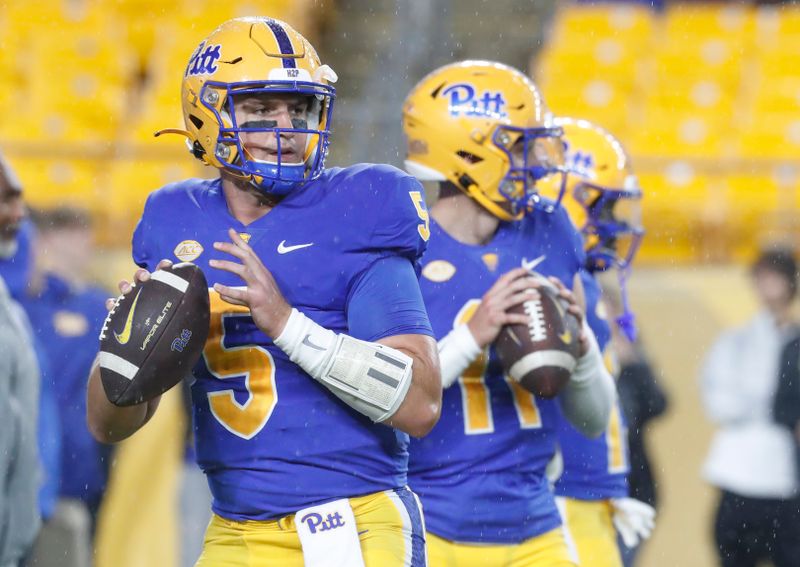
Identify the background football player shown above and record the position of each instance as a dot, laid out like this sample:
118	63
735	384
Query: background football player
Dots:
602	197
302	470
482	131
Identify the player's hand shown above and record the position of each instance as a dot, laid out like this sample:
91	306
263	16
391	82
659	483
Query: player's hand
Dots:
140	276
261	295
575	309
512	288
633	519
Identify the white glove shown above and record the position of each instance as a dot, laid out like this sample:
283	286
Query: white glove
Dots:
633	519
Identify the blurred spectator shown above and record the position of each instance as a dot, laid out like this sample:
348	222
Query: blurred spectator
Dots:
66	313
752	459
642	400
17	267
19	399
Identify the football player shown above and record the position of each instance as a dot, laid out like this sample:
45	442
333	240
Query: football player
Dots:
602	197
482	132
319	361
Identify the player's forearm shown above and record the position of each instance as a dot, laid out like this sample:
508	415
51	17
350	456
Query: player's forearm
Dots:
109	423
589	396
421	408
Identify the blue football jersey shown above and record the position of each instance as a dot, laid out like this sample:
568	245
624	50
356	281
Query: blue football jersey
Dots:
481	472
594	469
270	439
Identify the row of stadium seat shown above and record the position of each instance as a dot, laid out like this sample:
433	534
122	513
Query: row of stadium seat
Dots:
90	81
694	80
712	84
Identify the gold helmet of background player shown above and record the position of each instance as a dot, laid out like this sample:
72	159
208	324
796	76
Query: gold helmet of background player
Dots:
485	128
602	194
256	56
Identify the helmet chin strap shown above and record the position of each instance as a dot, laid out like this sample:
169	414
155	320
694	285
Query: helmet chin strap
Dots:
627	321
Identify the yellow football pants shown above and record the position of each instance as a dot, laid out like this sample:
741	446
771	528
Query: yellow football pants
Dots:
546	550
389	526
590	532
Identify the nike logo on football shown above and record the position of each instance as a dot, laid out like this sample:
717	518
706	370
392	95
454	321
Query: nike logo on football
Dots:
531	264
283	249
125	335
308	343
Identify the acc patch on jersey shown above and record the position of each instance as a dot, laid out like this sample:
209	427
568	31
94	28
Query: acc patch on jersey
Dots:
439	271
188	250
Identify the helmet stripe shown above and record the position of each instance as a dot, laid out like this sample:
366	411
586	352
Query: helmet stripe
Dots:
284	44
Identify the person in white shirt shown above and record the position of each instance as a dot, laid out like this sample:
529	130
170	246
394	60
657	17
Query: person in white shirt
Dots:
751	459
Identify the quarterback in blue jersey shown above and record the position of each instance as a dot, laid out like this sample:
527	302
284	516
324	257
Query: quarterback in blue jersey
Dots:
482	131
320	359
602	198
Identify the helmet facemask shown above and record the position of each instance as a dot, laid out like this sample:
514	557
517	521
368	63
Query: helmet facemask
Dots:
274	176
533	154
613	229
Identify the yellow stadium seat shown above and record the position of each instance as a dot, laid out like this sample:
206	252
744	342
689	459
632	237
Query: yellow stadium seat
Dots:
51	182
598	101
771	136
585	23
678	207
701	96
777	94
688	21
53	127
710	59
775	23
669	134
598	62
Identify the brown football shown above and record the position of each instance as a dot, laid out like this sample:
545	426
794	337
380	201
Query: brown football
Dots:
154	335
542	355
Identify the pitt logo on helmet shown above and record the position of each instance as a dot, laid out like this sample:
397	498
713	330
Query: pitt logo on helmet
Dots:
204	61
463	102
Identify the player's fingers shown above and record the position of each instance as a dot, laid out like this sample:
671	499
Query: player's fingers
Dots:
164	264
576	311
238	240
235	295
509	277
518	298
513	286
110	302
232	249
516	319
141	275
232	267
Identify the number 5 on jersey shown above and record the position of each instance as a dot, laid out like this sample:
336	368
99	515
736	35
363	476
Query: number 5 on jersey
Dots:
424	229
251	364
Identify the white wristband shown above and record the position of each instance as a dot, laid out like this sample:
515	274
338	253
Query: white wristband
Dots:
457	350
371	378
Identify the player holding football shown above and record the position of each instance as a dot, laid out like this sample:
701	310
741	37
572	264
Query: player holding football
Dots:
319	360
481	130
602	198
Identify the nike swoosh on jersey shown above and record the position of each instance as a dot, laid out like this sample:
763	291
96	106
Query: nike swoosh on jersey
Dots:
531	264
125	335
283	249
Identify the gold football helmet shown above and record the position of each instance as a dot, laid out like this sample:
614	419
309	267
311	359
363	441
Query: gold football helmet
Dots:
602	194
256	57
485	128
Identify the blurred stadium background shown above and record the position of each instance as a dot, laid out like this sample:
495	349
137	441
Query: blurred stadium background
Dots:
706	96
